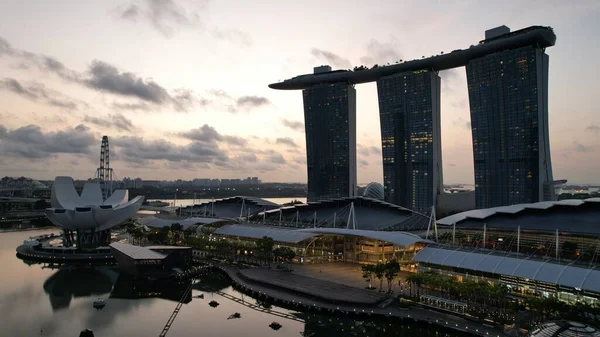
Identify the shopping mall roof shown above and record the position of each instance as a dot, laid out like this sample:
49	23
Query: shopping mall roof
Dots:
297	235
257	232
137	252
523	267
573	216
186	223
397	238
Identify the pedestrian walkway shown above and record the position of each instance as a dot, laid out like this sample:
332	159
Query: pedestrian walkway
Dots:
288	298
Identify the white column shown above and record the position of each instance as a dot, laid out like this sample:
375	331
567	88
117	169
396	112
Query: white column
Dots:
315	221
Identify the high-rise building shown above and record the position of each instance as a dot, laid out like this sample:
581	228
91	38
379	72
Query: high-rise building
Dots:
409	112
508	96
330	123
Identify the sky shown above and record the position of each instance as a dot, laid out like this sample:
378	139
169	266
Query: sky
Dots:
180	87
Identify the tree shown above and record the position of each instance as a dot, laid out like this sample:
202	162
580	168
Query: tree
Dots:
265	247
392	268
367	274
379	272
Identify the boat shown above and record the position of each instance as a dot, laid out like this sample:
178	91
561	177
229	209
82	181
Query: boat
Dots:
99	303
275	326
213	304
234	315
307	333
199	296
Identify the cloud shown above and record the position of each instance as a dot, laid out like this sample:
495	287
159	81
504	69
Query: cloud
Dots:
163	15
252	101
300	160
452	165
208	134
286	141
294	125
32	143
248	157
460	122
131	106
116	121
276	158
139	150
232	35
578	147
380	53
367	150
595	129
331	58
363	163
37	92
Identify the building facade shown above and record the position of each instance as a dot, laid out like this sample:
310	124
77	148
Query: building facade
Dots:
330	123
409	111
508	97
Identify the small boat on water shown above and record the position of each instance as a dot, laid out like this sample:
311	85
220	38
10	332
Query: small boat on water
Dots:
99	303
275	326
234	315
199	296
213	304
307	333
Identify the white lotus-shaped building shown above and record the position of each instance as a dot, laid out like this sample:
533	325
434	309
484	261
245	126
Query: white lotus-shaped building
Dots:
89	212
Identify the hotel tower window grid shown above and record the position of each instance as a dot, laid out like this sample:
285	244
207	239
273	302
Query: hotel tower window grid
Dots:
508	101
409	110
330	123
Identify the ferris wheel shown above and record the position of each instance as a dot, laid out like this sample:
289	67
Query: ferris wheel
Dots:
104	173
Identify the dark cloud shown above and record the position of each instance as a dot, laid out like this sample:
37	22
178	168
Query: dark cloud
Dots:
248	157
380	53
294	125
332	59
452	165
116	121
32	143
106	77
593	129
220	93
138	150
286	141
37	92
164	15
363	163
300	160
252	101
276	158
208	134
131	106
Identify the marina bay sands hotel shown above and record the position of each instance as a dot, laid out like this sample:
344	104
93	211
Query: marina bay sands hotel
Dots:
507	76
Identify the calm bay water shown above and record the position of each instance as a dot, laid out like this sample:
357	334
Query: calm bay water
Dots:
38	301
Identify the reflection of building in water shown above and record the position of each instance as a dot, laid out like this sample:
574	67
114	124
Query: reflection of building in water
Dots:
65	284
128	288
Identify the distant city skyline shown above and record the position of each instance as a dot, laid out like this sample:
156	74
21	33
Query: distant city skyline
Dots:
180	87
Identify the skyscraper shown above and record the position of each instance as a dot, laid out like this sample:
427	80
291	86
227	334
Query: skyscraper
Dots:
330	123
409	112
508	96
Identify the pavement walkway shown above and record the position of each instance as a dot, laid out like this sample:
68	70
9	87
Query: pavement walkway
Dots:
302	301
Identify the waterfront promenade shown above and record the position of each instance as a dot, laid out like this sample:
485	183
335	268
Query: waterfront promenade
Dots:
290	298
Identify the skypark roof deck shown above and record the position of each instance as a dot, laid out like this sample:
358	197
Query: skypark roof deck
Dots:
536	35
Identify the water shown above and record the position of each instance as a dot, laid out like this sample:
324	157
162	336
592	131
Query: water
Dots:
59	302
188	202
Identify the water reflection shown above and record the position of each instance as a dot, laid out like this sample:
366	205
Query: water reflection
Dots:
129	288
68	283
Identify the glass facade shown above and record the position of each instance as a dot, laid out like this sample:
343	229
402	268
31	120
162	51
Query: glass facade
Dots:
509	121
409	111
330	122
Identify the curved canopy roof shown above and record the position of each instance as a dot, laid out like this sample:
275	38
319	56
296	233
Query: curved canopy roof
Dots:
544	271
397	238
297	235
257	232
186	223
480	214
